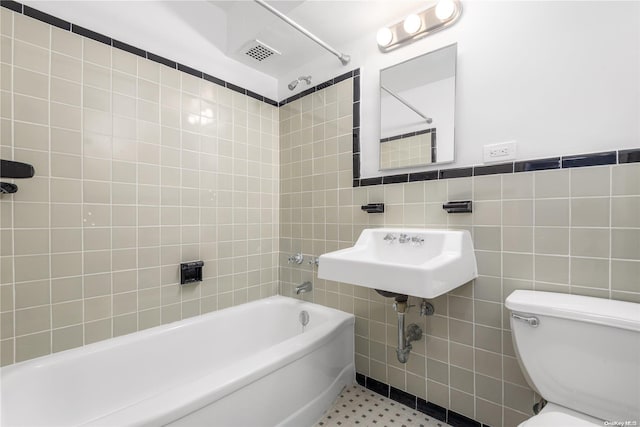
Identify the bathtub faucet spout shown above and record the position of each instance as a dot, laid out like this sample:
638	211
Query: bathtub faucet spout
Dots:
305	287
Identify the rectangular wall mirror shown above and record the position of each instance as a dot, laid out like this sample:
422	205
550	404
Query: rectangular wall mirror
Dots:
417	108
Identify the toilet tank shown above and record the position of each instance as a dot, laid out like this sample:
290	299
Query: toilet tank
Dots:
584	353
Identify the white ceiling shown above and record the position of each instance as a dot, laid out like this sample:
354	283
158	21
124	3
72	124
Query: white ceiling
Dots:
335	22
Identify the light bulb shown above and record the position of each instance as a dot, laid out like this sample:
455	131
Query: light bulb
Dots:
445	9
384	36
412	24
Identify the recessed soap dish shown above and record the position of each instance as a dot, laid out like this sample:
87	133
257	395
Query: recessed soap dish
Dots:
191	272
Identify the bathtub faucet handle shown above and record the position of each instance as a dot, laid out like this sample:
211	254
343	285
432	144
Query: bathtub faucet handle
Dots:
296	258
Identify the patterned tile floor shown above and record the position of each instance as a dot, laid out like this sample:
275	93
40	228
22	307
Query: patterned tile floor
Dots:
358	406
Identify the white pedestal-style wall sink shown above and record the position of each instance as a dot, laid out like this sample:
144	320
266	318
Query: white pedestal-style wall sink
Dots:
421	262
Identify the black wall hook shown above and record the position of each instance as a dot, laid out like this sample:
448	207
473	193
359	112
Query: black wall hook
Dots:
373	208
8	188
464	206
11	169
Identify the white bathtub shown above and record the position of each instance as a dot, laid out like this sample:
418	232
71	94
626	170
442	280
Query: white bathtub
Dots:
249	365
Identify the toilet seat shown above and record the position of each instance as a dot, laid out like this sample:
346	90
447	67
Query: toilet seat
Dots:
553	415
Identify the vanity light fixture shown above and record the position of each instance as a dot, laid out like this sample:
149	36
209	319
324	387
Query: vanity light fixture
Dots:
384	37
445	9
412	24
417	25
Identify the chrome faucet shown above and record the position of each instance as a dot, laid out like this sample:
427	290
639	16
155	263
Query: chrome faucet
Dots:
417	241
389	238
403	238
305	287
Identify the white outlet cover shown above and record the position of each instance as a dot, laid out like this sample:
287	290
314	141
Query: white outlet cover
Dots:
490	156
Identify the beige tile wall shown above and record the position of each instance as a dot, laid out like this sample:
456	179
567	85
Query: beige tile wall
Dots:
138	168
571	230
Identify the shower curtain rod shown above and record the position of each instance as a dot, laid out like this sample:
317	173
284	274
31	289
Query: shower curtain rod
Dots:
344	59
406	104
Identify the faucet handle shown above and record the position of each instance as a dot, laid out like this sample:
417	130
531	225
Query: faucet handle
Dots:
417	240
389	238
296	259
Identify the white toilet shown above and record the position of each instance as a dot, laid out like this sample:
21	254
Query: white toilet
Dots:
581	354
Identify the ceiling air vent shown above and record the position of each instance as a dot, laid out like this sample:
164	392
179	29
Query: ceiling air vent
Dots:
259	51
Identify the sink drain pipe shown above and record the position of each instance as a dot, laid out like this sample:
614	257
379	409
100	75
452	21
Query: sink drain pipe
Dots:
413	333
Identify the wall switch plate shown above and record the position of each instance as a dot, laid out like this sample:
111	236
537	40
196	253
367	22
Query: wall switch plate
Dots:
493	153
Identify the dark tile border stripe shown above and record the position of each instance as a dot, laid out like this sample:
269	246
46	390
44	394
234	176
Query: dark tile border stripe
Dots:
13	5
595	159
629	156
394	179
403	397
356	88
129	48
190	70
45	17
324	85
237	88
433	410
370	181
414	402
85	32
456	173
423	176
356	165
565	162
537	165
160	60
458	420
493	169
377	386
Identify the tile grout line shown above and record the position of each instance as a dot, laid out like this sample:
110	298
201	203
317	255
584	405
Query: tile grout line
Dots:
610	275
50	231
12	203
82	181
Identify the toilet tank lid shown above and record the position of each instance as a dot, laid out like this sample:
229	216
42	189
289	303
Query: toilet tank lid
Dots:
618	314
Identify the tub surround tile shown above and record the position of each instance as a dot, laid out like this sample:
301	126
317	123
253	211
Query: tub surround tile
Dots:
86	187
